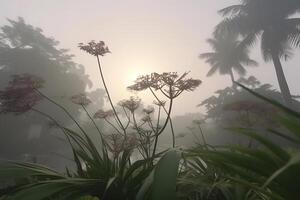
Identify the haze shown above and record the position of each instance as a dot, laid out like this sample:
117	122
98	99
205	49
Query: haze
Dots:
144	37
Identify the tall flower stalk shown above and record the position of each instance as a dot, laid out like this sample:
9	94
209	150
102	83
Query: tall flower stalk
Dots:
63	109
57	124
100	49
171	85
103	171
160	104
83	101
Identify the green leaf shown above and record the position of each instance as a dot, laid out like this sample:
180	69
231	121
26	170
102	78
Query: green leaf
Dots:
274	148
295	159
271	101
292	124
161	183
165	176
142	193
39	191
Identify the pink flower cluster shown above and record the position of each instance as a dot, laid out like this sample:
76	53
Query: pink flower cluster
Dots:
20	95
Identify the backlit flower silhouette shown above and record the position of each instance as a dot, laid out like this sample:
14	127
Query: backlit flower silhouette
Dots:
169	83
199	121
81	99
148	110
95	48
146	81
26	80
101	114
131	104
146	118
118	143
21	94
100	49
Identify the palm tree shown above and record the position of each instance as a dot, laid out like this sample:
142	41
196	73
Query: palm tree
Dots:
272	22
251	81
228	55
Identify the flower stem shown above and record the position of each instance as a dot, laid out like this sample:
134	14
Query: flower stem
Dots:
108	95
93	121
170	119
63	108
56	123
163	128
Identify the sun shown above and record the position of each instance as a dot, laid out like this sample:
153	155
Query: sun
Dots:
134	72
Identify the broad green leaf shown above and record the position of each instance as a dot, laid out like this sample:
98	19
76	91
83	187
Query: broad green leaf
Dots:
141	195
295	159
165	176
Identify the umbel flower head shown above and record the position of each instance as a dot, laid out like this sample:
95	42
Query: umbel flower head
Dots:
95	48
148	110
176	84
118	143
20	95
199	121
168	82
131	104
146	118
101	114
81	99
26	81
115	144
146	81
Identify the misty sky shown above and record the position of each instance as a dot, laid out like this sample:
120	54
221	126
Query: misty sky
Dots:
144	36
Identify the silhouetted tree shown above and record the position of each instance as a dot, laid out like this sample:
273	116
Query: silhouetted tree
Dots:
228	55
24	49
250	81
229	105
272	22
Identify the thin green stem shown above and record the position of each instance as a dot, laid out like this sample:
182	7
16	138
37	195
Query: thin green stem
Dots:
163	128
108	95
93	121
170	119
112	125
91	146
56	123
49	117
202	135
61	107
158	118
139	133
127	116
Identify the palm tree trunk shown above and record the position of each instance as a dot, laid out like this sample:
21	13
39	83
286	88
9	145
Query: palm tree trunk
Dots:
234	86
231	76
283	85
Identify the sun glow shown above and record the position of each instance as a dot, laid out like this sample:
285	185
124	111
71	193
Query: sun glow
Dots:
134	72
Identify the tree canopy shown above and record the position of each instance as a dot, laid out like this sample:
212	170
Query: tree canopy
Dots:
24	49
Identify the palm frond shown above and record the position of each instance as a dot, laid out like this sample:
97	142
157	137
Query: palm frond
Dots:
231	10
212	70
294	33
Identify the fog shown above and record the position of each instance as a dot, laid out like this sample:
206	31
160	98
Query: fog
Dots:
42	38
144	37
